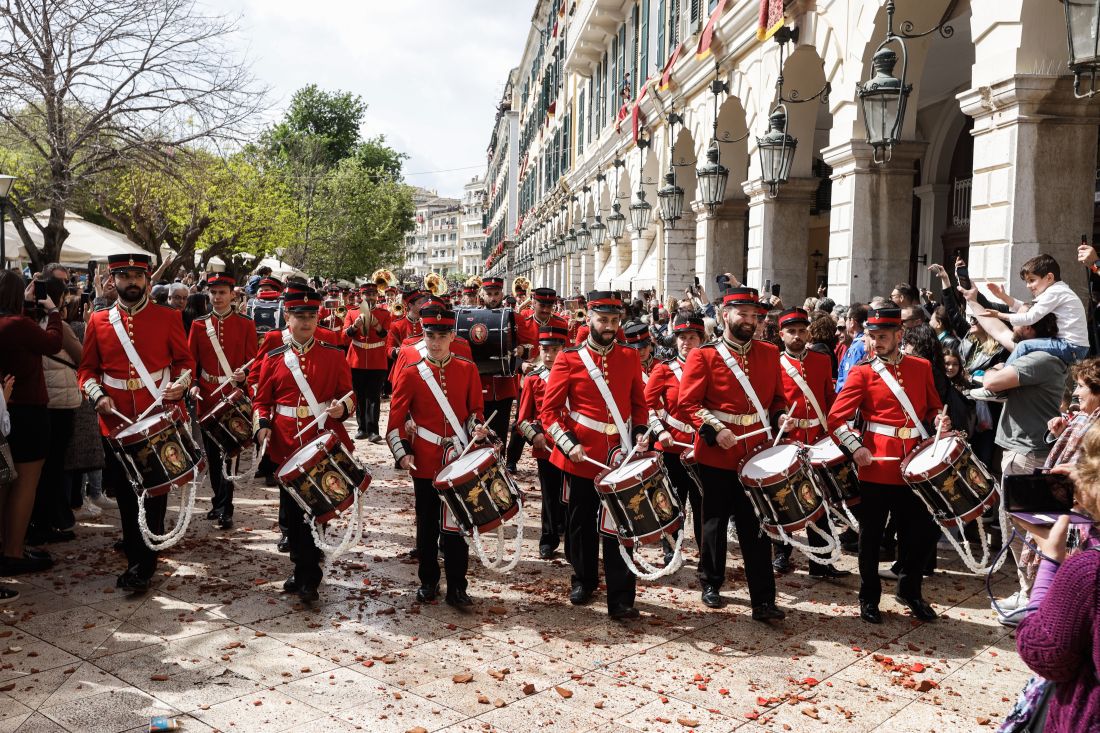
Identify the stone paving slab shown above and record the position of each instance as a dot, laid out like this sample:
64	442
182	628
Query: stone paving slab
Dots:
217	645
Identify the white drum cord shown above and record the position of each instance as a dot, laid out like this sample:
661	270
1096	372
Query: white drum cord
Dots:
334	547
963	548
157	542
500	564
644	570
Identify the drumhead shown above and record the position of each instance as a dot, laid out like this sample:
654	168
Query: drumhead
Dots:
933	457
825	451
635	470
306	455
150	424
471	463
770	462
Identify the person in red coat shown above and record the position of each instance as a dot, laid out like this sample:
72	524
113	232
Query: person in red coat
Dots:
366	328
732	419
552	337
498	392
281	410
423	439
221	343
636	336
801	369
408	325
584	426
528	323
671	424
112	383
890	433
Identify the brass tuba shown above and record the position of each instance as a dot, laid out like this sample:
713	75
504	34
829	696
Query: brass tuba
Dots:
520	284
434	284
383	278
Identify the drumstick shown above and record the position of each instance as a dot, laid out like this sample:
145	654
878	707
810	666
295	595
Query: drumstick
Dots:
122	417
682	445
221	386
939	430
634	448
471	441
782	427
601	465
885	458
750	435
318	419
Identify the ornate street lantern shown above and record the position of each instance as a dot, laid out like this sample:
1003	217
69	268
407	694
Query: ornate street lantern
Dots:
571	242
616	223
671	199
883	100
641	209
712	178
584	237
776	151
1083	32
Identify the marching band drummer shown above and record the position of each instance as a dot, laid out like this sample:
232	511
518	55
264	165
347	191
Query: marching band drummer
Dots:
528	323
896	396
131	351
409	325
636	336
731	389
594	408
436	406
807	381
298	382
221	342
498	392
671	425
552	337
366	328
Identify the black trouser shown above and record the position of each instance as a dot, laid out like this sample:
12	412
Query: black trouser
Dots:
456	553
503	418
728	498
553	511
583	547
367	384
916	538
139	558
307	556
52	504
782	549
222	501
515	441
687	492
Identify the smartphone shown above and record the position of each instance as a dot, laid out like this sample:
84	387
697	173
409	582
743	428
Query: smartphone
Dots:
767	285
40	292
775	290
722	280
1049	493
962	274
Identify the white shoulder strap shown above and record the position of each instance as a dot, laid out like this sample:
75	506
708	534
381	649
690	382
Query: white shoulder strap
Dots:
218	351
290	358
792	372
131	353
677	369
441	399
601	384
746	385
899	394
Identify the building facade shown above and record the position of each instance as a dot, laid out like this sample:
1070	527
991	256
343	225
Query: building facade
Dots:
433	244
614	100
472	248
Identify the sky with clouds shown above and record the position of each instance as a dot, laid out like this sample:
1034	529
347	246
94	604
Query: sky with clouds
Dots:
431	71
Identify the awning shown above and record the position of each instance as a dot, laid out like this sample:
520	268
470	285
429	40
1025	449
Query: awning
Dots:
86	241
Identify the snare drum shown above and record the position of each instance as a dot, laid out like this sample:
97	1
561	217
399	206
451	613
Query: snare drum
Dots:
954	484
158	453
229	423
780	483
477	493
836	473
639	500
321	475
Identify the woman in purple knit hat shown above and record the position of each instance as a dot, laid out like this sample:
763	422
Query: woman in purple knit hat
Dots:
1060	639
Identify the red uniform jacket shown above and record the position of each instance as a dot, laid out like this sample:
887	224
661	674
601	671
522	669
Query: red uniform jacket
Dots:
662	395
530	405
708	384
570	389
368	351
410	353
459	380
237	336
401	329
865	391
527	333
817	371
275	339
157	334
329	377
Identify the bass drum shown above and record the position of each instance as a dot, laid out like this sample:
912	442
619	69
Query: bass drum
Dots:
267	315
492	336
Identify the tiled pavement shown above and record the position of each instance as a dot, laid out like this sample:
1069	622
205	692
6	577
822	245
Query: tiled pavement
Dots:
217	645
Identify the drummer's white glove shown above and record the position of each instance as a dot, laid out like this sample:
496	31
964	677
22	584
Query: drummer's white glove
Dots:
666	439
726	439
862	457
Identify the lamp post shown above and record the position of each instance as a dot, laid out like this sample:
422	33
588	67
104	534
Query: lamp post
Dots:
1083	33
776	150
6	183
641	209
616	222
671	196
714	176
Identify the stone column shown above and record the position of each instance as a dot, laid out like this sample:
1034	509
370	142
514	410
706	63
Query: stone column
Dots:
574	272
934	199
676	263
871	221
588	259
599	257
719	241
640	242
778	234
1034	176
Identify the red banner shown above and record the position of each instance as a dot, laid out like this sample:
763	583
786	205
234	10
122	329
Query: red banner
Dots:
666	74
771	19
707	36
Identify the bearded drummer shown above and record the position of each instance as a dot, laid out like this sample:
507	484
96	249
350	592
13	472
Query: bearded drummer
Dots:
594	410
497	391
731	390
221	343
807	379
366	328
125	346
671	424
436	407
896	397
300	381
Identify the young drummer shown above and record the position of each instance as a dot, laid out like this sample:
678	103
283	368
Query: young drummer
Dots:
435	410
552	336
300	381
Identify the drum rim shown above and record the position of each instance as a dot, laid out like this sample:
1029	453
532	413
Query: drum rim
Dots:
473	473
601	478
139	435
939	467
325	437
768	480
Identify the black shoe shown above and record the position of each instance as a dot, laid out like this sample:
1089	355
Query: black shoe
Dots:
308	593
361	435
132	582
39	555
269	480
284	544
414	553
767	612
511	468
225	521
869	612
623	613
545	552
10	566
376	438
290	585
711	598
459	598
918	607
781	564
580	596
829	573
46	536
7	595
119	546
213	514
427	593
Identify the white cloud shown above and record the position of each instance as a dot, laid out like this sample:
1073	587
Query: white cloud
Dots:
431	71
